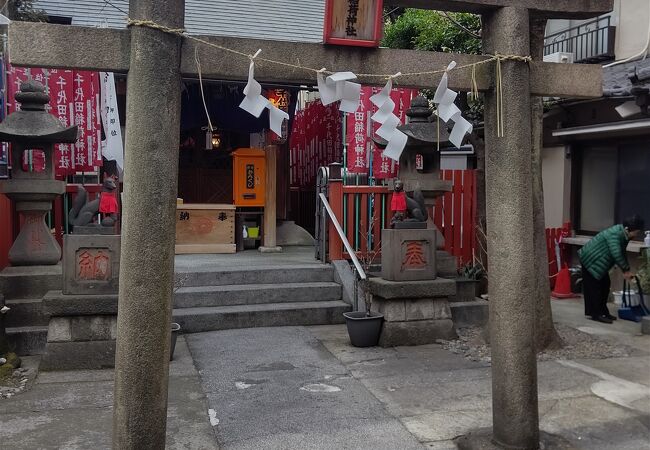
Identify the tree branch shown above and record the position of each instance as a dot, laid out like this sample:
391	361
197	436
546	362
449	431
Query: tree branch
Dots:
460	26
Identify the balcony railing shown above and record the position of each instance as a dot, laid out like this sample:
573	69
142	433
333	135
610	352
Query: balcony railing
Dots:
590	42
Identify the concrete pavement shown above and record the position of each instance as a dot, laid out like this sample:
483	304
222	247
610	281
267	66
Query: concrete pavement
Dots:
307	388
74	410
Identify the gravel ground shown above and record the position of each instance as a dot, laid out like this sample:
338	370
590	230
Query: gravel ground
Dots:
19	382
577	345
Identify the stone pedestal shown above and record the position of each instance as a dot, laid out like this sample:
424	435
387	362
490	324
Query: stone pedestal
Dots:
34	245
408	254
91	264
415	312
81	332
83	315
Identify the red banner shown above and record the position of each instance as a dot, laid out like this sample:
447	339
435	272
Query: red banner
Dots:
315	141
74	100
280	99
361	148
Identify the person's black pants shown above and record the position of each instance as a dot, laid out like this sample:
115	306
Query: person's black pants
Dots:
596	293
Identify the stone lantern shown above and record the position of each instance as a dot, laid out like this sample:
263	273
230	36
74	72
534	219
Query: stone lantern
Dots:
419	164
32	133
409	294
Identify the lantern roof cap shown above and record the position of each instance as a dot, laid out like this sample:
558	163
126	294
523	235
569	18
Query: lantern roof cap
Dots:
32	123
421	127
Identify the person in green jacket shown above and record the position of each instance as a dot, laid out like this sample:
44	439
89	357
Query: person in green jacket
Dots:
598	257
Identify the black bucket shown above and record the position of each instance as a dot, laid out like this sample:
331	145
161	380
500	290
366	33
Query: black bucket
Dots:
176	329
364	330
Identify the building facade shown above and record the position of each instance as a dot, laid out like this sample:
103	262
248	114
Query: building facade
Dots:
596	157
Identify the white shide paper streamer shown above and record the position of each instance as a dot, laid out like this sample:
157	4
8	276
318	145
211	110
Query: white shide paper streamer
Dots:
389	122
255	103
339	87
447	110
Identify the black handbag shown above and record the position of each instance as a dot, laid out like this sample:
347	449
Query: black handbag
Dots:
629	312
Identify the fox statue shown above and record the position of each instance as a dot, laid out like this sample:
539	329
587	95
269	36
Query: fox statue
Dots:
83	212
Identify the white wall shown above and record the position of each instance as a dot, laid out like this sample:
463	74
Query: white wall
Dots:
556	176
632	27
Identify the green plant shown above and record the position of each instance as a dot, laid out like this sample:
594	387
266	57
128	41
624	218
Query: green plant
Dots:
472	272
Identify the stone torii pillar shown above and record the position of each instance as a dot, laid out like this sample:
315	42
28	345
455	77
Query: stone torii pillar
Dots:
509	207
153	111
155	61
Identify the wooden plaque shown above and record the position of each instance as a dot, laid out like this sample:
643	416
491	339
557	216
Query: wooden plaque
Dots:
205	228
353	22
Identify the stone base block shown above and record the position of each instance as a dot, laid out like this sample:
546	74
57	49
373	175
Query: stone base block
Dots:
408	255
468	314
400	310
446	264
30	281
55	303
78	355
94	229
417	332
91	264
82	328
482	440
439	287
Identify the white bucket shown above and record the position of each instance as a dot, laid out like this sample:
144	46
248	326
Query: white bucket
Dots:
632	298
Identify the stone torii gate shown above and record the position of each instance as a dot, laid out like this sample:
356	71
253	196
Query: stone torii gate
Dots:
156	60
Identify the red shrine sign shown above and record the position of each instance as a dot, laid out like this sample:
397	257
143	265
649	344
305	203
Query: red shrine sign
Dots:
353	22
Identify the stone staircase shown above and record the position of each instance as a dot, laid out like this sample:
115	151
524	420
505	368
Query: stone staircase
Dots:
257	296
23	289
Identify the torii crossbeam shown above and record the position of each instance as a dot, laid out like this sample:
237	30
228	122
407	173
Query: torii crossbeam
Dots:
155	62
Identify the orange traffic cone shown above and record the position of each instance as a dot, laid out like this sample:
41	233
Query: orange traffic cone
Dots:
563	284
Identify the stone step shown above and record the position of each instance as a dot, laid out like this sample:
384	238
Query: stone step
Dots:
26	312
195	320
27	341
250	294
30	281
255	275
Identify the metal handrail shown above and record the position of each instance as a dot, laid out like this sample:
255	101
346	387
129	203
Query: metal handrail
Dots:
346	244
567	31
587	41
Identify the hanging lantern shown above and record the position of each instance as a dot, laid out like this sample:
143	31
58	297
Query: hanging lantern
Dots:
212	139
216	139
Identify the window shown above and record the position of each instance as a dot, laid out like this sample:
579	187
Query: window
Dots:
60	20
613	182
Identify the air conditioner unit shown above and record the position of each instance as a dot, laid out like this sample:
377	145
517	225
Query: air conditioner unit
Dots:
559	57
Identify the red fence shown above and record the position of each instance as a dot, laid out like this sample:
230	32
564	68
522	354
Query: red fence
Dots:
363	211
455	214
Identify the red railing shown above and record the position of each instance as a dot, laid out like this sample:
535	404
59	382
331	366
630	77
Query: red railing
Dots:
364	211
455	215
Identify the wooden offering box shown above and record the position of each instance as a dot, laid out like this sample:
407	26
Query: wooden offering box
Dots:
205	228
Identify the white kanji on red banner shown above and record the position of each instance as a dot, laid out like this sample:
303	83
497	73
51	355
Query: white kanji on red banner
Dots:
74	100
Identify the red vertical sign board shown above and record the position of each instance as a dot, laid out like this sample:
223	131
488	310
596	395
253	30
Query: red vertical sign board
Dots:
315	141
358	138
74	100
359	141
